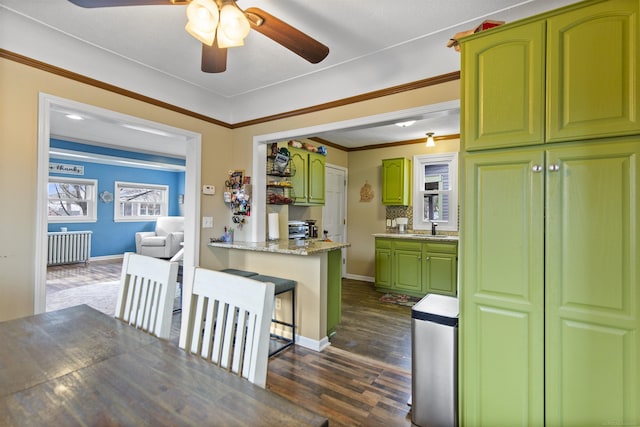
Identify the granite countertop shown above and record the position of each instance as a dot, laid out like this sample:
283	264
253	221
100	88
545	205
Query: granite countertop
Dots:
291	247
418	236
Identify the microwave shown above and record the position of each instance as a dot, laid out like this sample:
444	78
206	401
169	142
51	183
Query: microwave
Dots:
298	230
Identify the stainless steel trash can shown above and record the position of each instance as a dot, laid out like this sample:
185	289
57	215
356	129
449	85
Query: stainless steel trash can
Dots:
434	355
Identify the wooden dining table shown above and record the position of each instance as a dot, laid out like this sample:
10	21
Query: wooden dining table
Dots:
78	366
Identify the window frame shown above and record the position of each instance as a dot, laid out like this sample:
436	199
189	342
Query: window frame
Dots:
118	217
90	199
420	161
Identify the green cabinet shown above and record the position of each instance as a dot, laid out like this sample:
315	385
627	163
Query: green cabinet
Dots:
383	263
308	181
396	182
407	266
550	317
549	277
558	77
416	267
502	290
334	290
440	268
503	81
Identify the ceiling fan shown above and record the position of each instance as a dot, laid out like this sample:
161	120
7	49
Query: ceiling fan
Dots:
220	24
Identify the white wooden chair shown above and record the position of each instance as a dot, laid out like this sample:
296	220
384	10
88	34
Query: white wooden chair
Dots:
229	323
147	292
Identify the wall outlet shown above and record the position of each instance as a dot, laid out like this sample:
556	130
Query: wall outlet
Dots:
278	303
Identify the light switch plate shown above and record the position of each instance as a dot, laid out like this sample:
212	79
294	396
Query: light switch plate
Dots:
209	189
207	222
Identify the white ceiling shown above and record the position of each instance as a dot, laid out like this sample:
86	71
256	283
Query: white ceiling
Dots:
374	45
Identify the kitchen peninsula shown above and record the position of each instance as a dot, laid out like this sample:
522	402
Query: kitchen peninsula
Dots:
315	265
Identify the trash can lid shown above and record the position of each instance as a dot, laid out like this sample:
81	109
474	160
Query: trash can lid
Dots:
437	308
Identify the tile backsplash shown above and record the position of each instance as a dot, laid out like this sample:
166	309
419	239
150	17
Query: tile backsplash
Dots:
394	212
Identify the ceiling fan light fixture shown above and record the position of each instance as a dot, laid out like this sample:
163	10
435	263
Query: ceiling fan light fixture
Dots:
430	141
203	18
225	42
233	22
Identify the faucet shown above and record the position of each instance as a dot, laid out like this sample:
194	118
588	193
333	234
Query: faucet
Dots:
433	228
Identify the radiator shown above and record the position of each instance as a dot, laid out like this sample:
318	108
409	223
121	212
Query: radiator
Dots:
67	247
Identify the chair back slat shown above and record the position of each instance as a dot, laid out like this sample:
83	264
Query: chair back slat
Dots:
147	292
229	322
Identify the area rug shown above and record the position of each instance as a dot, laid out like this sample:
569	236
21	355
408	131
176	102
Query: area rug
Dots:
101	296
399	299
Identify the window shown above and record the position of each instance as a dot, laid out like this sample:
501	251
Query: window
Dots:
140	202
435	191
72	199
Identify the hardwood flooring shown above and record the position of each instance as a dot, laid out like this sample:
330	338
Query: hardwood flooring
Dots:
362	379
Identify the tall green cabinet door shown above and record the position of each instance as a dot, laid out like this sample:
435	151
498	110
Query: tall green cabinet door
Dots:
502	290
503	88
593	75
316	178
593	285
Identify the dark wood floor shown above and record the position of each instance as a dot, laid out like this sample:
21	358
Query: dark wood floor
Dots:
362	379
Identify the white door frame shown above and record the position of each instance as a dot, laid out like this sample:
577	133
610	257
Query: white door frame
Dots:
191	145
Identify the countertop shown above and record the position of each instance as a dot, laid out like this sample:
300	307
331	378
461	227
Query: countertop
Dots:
291	247
418	236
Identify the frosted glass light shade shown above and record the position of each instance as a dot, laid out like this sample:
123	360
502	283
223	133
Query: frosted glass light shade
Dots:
203	19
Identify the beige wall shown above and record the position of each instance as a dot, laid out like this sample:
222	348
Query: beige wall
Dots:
20	86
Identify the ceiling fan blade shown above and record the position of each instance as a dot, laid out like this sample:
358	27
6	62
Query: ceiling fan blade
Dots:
289	37
116	3
214	58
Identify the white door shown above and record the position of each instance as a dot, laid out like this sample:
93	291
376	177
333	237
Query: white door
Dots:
334	212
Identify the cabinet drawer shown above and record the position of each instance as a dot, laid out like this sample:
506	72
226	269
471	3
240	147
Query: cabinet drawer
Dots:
407	245
441	247
383	243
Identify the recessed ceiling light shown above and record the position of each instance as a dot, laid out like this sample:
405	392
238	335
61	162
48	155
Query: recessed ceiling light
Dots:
146	129
405	124
74	117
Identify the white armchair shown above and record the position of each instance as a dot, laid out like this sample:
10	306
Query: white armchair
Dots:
165	241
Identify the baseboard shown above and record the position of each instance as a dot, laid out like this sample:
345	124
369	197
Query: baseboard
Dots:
362	278
106	257
314	345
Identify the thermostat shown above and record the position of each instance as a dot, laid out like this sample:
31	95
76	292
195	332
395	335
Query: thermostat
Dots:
209	189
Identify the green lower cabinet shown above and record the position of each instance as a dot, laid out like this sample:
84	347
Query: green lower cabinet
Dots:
383	263
334	290
415	267
550	289
407	266
440	268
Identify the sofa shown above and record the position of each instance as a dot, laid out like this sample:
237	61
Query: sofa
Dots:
165	241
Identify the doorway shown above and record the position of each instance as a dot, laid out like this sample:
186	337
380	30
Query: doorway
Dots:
334	211
187	144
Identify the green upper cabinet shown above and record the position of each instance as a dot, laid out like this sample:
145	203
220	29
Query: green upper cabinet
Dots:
316	178
396	182
308	181
559	77
503	75
592	71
